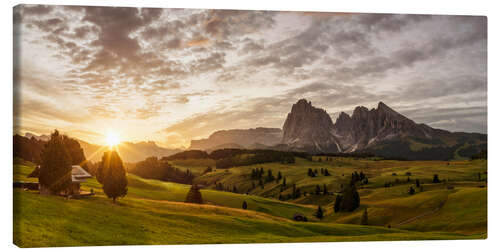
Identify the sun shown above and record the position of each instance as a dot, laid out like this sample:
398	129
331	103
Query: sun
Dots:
112	139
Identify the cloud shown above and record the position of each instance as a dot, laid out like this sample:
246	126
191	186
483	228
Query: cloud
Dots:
205	70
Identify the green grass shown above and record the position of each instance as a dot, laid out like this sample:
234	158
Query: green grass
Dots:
153	212
41	221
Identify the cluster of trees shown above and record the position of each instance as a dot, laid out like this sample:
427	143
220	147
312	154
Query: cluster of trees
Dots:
258	174
189	154
320	191
295	194
160	169
61	152
361	177
243	157
29	149
314	173
348	201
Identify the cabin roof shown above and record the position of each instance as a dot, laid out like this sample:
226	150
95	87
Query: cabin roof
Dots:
78	174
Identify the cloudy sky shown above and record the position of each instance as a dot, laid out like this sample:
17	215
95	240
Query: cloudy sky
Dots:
172	75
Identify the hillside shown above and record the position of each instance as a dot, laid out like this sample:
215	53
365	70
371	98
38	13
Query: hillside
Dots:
386	205
152	214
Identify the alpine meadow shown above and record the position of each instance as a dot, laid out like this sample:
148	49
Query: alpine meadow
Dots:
149	126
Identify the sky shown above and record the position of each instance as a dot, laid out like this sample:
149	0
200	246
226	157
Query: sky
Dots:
172	75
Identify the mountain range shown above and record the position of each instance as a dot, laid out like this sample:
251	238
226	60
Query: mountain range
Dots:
30	145
381	131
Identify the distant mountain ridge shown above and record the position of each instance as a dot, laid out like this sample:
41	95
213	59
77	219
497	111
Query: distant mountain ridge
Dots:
29	147
246	138
381	131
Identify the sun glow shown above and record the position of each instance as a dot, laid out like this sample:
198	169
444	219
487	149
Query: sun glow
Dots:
112	139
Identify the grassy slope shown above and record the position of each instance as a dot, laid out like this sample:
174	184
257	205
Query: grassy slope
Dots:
152	214
386	206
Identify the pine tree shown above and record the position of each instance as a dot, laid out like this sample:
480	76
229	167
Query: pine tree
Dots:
194	195
435	179
310	173
270	176
325	191
417	183
261	184
336	206
411	191
364	218
279	175
318	190
319	213
112	175
244	205
326	173
55	169
284	182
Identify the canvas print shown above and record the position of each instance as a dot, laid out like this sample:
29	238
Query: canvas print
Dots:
150	126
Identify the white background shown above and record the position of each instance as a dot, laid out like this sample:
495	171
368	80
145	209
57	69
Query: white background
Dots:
470	7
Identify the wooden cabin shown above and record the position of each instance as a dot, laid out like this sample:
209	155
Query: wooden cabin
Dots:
78	175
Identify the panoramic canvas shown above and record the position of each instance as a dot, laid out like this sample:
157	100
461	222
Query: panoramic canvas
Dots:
149	126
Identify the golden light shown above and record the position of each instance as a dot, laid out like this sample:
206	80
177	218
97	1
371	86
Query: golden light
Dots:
112	139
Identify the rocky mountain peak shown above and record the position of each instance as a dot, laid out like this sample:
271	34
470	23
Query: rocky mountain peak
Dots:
308	127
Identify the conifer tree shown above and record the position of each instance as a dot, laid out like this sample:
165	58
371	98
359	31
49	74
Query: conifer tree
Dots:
364	218
244	205
55	168
411	191
112	175
319	213
194	195
435	179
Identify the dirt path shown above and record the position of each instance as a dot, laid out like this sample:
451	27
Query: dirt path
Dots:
435	210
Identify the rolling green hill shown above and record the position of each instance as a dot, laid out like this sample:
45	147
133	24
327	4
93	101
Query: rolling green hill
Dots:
153	211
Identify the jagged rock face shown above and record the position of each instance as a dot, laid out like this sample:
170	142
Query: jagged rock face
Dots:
311	129
308	127
244	137
367	127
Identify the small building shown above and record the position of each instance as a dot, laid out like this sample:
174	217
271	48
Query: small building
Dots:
78	175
